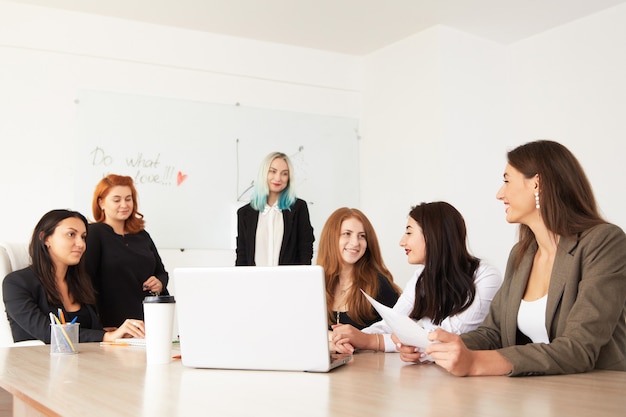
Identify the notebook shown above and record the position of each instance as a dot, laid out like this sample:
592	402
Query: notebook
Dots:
256	318
136	341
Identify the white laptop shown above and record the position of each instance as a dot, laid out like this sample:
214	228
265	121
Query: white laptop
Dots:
252	317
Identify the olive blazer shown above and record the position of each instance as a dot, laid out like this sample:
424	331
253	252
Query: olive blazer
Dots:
585	312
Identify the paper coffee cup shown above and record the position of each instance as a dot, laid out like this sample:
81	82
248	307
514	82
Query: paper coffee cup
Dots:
158	313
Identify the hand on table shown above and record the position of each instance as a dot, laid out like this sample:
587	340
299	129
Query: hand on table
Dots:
130	328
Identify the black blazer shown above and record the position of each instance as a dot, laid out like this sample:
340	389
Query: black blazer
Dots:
27	309
297	246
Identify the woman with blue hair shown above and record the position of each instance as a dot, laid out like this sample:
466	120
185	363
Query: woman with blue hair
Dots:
274	228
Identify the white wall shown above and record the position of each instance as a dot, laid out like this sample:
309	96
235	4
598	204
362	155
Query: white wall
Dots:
438	110
569	84
434	102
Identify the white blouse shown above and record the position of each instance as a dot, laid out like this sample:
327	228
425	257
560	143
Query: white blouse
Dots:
531	319
487	280
269	236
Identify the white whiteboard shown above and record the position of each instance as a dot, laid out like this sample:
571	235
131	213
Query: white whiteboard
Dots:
194	162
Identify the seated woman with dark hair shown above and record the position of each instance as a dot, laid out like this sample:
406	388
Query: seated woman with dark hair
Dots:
55	280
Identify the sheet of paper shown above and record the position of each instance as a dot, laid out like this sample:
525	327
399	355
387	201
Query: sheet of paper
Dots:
408	331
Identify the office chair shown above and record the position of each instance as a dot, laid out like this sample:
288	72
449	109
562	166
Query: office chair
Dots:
13	256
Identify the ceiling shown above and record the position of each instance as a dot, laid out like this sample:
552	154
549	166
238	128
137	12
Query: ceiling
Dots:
354	27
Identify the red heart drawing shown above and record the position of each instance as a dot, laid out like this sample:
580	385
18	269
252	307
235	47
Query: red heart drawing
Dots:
181	177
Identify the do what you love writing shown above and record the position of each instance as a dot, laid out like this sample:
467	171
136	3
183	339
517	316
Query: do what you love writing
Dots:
144	169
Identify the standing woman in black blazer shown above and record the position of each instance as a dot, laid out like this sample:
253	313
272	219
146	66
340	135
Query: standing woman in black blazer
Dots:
274	228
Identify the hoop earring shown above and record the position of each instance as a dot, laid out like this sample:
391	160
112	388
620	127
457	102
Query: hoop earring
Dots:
537	206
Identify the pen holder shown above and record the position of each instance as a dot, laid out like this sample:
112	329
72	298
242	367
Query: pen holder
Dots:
64	338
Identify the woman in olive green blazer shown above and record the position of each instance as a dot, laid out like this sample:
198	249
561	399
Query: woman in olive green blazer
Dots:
584	310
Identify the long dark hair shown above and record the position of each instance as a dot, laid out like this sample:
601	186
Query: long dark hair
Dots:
567	203
446	285
78	283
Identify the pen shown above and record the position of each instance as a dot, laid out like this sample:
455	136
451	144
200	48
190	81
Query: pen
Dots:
114	344
74	320
61	316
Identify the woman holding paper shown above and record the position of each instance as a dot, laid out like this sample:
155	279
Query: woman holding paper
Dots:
450	289
56	283
350	255
562	307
